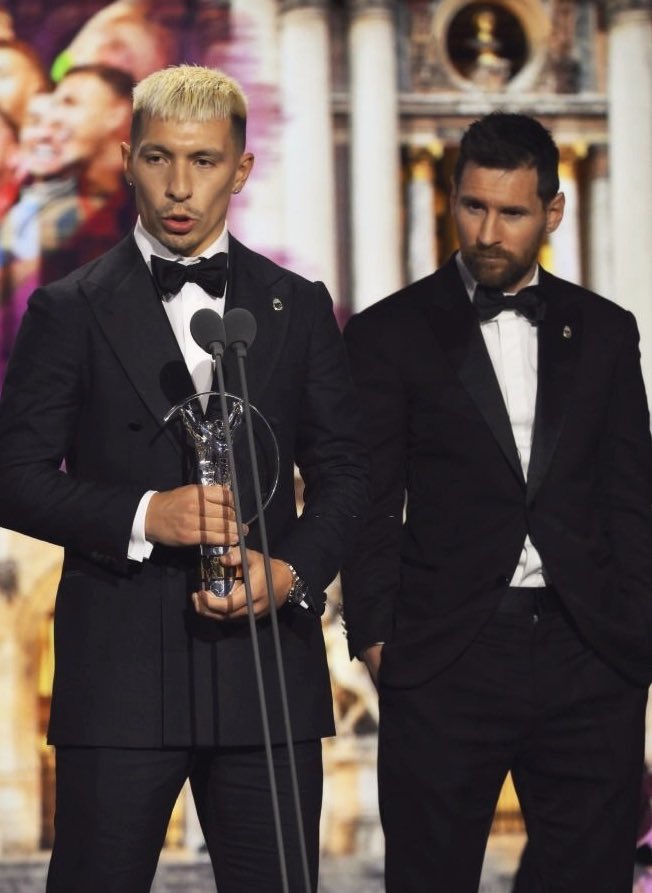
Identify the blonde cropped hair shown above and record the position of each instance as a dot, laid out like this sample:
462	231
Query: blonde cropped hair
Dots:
189	93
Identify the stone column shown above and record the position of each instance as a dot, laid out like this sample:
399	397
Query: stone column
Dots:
630	136
600	246
255	23
375	163
565	241
251	56
309	182
421	211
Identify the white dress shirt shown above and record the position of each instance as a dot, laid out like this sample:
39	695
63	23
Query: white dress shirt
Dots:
512	344
179	309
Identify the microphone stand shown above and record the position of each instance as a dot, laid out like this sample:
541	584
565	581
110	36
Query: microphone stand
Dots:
216	348
240	327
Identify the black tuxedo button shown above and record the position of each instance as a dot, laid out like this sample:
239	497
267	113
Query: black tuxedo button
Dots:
502	580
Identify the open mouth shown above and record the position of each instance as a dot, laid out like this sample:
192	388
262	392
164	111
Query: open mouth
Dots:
42	158
178	223
44	152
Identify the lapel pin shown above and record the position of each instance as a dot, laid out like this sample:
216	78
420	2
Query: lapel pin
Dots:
277	303
567	332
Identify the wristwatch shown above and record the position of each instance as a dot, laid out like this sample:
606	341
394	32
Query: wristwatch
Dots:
298	594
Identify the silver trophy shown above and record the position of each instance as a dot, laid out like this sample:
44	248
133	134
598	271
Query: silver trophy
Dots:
206	432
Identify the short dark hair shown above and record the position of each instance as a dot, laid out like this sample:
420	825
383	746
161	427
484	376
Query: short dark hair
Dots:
120	82
507	141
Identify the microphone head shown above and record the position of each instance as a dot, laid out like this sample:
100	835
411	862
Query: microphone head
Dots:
207	328
240	326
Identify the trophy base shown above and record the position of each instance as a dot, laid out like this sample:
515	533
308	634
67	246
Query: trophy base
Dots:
219	588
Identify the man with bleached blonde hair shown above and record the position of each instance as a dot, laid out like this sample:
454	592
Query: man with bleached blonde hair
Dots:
190	93
154	680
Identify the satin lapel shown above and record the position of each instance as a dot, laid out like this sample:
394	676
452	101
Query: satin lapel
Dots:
560	339
456	328
122	296
262	288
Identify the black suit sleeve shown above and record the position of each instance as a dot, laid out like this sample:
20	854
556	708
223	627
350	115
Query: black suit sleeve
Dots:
626	464
371	577
329	453
44	395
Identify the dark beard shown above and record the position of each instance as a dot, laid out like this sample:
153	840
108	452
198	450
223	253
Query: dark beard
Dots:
503	279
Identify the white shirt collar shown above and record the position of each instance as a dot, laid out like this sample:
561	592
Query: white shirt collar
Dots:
149	245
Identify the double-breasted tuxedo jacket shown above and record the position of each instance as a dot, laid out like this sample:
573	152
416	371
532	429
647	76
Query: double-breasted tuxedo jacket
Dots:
94	370
443	452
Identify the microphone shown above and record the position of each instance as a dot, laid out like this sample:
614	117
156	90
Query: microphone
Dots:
207	328
209	331
240	327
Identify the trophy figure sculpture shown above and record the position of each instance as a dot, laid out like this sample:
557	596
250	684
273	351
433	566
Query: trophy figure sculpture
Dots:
206	432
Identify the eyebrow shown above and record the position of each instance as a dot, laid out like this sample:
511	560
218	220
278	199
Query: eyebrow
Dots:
165	150
511	209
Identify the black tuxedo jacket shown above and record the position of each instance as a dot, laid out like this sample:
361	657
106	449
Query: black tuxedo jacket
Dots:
443	451
94	370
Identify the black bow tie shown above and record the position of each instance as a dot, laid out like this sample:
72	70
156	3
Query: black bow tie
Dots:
489	302
209	273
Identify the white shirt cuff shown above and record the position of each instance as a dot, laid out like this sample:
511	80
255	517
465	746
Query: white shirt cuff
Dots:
139	547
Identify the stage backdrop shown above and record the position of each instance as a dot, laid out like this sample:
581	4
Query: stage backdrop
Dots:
356	111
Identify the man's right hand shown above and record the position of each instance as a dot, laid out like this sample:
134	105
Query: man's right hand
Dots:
190	515
372	657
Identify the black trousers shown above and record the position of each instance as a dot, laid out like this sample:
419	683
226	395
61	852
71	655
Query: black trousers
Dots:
113	806
527	696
